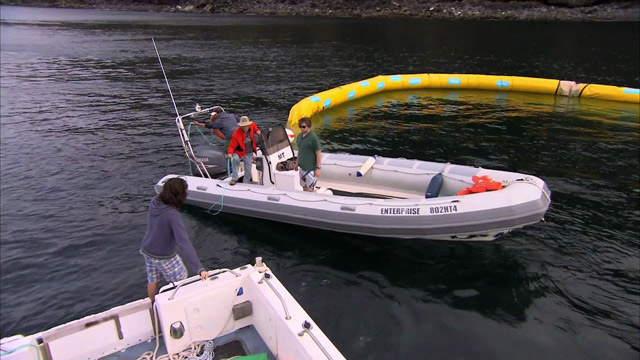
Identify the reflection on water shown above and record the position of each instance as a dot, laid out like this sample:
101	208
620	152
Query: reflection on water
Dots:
484	278
472	106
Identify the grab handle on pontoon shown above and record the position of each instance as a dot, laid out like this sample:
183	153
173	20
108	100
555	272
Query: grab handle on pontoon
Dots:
266	277
193	279
306	328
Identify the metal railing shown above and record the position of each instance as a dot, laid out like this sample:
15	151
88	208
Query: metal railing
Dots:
197	278
265	278
306	329
186	143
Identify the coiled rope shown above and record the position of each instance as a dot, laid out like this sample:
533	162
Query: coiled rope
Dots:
205	348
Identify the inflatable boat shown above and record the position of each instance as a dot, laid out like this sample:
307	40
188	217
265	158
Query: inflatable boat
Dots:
501	83
374	196
244	313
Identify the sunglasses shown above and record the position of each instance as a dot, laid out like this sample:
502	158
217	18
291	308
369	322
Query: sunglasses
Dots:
303	127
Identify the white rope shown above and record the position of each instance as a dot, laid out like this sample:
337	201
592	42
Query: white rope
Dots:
529	180
187	354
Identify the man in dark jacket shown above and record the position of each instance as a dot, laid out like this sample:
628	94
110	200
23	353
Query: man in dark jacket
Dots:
222	123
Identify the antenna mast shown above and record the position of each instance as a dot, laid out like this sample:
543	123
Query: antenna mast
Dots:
165	78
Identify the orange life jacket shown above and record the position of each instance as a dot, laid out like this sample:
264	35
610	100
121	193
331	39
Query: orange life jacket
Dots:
481	184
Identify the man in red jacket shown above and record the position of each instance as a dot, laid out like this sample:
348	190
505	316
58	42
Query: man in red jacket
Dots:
243	146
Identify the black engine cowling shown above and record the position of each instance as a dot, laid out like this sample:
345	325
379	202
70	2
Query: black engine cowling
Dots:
213	158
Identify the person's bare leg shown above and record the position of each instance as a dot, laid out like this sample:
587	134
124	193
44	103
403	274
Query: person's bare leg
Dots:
152	289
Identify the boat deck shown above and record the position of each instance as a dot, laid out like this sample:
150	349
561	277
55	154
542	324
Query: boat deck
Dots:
244	341
342	189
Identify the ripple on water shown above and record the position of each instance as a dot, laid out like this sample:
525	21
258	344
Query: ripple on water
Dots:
88	129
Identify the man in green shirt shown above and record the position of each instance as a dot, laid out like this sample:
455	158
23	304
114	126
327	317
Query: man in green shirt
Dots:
309	155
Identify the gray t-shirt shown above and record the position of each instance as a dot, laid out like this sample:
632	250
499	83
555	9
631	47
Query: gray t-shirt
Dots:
248	144
225	122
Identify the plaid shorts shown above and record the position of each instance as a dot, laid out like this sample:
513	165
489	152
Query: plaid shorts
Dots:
172	269
307	178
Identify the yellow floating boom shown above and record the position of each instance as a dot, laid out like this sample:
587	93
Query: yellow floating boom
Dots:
336	96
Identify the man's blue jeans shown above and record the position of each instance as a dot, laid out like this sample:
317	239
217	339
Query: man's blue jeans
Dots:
235	164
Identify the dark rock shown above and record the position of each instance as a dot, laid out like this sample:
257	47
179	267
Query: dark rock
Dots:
572	3
574	10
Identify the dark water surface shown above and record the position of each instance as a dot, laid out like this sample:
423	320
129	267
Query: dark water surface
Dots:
87	129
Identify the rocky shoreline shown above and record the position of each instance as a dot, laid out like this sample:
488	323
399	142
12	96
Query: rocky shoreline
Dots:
549	10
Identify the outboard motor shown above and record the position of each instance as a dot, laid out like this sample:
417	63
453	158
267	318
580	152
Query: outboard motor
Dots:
213	158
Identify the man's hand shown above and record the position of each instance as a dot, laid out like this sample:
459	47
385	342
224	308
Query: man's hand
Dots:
228	156
204	275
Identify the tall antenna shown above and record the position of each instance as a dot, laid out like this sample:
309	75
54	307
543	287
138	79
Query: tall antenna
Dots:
165	77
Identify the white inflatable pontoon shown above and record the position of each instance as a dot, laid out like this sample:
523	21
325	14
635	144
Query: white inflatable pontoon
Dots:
240	313
374	196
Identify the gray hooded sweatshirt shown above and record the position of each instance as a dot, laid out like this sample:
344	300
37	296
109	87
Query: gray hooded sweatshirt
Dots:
166	234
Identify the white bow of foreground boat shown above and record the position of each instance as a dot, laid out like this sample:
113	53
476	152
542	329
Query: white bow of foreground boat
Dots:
244	312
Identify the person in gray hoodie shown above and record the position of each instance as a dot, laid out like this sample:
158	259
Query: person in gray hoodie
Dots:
166	235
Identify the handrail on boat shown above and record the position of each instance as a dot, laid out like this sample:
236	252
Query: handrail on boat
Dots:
199	112
186	143
196	278
266	277
306	328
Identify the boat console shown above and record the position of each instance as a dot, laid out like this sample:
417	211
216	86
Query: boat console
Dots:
274	147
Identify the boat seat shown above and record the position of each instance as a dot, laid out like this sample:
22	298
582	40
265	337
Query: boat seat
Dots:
287	180
434	187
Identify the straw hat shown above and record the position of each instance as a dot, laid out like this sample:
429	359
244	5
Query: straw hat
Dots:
244	121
